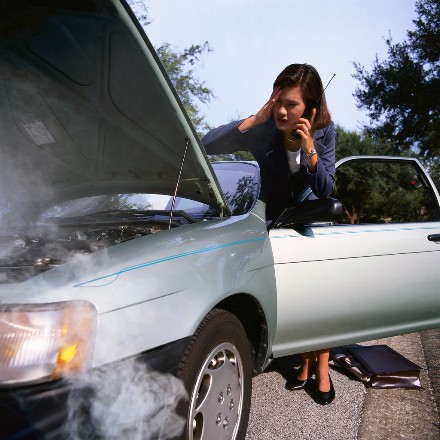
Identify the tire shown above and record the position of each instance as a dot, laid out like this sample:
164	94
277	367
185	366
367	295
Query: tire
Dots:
216	369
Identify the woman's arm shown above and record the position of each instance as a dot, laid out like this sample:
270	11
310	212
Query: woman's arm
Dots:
322	180
235	136
225	139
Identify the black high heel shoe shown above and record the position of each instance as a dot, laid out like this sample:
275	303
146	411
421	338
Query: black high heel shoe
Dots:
297	384
326	397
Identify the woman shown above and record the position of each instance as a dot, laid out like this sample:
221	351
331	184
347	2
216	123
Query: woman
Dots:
293	140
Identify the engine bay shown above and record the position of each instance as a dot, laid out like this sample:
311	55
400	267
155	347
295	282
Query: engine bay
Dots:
29	252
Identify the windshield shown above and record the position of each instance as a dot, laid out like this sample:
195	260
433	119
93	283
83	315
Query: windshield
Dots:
240	184
111	203
239	181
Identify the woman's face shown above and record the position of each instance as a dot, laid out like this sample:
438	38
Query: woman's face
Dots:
288	108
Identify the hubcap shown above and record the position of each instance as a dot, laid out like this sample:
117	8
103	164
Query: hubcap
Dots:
217	398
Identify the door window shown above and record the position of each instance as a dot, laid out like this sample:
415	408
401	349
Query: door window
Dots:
384	192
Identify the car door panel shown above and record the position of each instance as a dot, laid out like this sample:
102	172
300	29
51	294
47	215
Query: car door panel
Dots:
337	284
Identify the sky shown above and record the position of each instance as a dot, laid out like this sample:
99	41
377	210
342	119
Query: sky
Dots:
253	40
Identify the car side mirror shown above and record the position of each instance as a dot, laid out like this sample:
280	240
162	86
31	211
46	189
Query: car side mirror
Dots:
325	210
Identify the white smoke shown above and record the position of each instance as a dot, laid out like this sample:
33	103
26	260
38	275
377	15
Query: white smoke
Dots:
128	402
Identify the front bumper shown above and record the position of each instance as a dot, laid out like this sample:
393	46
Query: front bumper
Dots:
39	412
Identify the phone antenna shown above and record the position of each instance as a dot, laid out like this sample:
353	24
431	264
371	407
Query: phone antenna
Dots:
328	82
319	97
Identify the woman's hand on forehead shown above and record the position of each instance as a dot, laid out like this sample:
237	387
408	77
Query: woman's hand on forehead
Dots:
264	113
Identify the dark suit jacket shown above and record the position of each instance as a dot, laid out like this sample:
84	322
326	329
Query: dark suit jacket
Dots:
279	187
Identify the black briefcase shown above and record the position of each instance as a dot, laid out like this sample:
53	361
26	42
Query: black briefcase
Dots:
379	366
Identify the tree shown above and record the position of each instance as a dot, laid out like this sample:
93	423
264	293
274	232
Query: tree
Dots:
352	143
179	66
402	93
180	69
354	185
377	192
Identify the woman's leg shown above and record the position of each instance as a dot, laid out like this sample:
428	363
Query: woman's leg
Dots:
325	393
322	373
308	364
304	373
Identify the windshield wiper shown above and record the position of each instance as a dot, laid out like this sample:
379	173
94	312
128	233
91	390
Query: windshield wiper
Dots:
122	214
112	215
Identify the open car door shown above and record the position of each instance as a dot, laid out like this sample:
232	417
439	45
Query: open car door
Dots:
373	273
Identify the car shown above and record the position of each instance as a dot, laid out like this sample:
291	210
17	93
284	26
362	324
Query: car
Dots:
141	286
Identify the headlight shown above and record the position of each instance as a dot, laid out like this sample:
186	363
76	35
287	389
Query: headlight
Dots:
45	341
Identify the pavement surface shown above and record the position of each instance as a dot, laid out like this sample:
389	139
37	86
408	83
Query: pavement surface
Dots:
357	413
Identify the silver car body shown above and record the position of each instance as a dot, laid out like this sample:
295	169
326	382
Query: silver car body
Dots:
158	288
87	109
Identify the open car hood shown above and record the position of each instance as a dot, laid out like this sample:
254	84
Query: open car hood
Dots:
86	108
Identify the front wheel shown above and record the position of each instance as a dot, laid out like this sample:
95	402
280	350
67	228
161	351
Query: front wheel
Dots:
217	371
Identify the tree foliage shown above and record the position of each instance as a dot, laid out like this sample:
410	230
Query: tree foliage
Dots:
354	186
402	93
180	67
352	143
378	192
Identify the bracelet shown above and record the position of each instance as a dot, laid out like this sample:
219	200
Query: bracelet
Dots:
311	154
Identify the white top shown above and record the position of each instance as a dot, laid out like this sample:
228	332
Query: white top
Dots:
293	157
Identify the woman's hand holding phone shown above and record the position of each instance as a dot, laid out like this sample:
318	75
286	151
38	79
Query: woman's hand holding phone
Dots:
304	126
304	129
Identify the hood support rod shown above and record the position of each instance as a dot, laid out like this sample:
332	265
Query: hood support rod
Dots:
188	142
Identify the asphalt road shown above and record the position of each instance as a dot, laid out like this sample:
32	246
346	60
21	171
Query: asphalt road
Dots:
357	413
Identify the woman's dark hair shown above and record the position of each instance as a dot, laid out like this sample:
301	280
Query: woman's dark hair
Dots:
307	78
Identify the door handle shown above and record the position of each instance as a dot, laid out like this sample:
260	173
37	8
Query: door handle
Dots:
434	237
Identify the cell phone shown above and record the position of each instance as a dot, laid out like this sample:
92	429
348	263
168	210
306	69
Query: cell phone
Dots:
307	114
309	110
